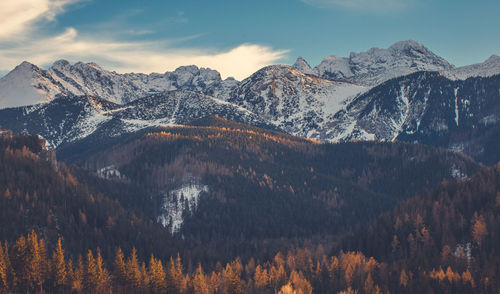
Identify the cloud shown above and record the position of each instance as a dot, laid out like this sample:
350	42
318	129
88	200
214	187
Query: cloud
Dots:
365	5
23	37
17	17
143	56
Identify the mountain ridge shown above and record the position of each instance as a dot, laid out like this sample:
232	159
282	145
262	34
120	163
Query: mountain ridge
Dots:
91	79
424	107
28	84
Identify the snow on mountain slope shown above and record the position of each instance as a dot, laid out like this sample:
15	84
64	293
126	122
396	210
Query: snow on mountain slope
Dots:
291	100
179	107
379	65
334	68
488	68
28	84
68	119
61	120
386	111
427	108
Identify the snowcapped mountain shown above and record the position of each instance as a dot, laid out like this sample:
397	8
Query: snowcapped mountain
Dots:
295	102
27	84
379	65
404	92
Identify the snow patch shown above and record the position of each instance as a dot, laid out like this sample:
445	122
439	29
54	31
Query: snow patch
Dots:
457	173
403	103
132	125
464	251
109	172
456	106
457	148
178	202
489	120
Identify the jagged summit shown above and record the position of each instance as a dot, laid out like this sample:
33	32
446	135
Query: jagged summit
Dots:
61	65
303	66
27	84
285	72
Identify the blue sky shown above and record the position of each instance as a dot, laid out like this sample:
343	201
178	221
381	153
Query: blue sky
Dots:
237	37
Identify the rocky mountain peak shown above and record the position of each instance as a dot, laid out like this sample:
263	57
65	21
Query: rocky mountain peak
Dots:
407	45
303	66
61	65
192	69
25	69
493	59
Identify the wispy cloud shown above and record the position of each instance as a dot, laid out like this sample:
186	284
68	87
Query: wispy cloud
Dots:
17	17
364	5
39	48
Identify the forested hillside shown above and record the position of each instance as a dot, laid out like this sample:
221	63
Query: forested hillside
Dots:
38	193
454	228
249	191
271	213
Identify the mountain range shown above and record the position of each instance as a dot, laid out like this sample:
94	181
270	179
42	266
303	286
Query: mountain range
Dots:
404	92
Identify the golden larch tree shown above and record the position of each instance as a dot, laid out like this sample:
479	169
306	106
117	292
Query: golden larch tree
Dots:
157	276
59	265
